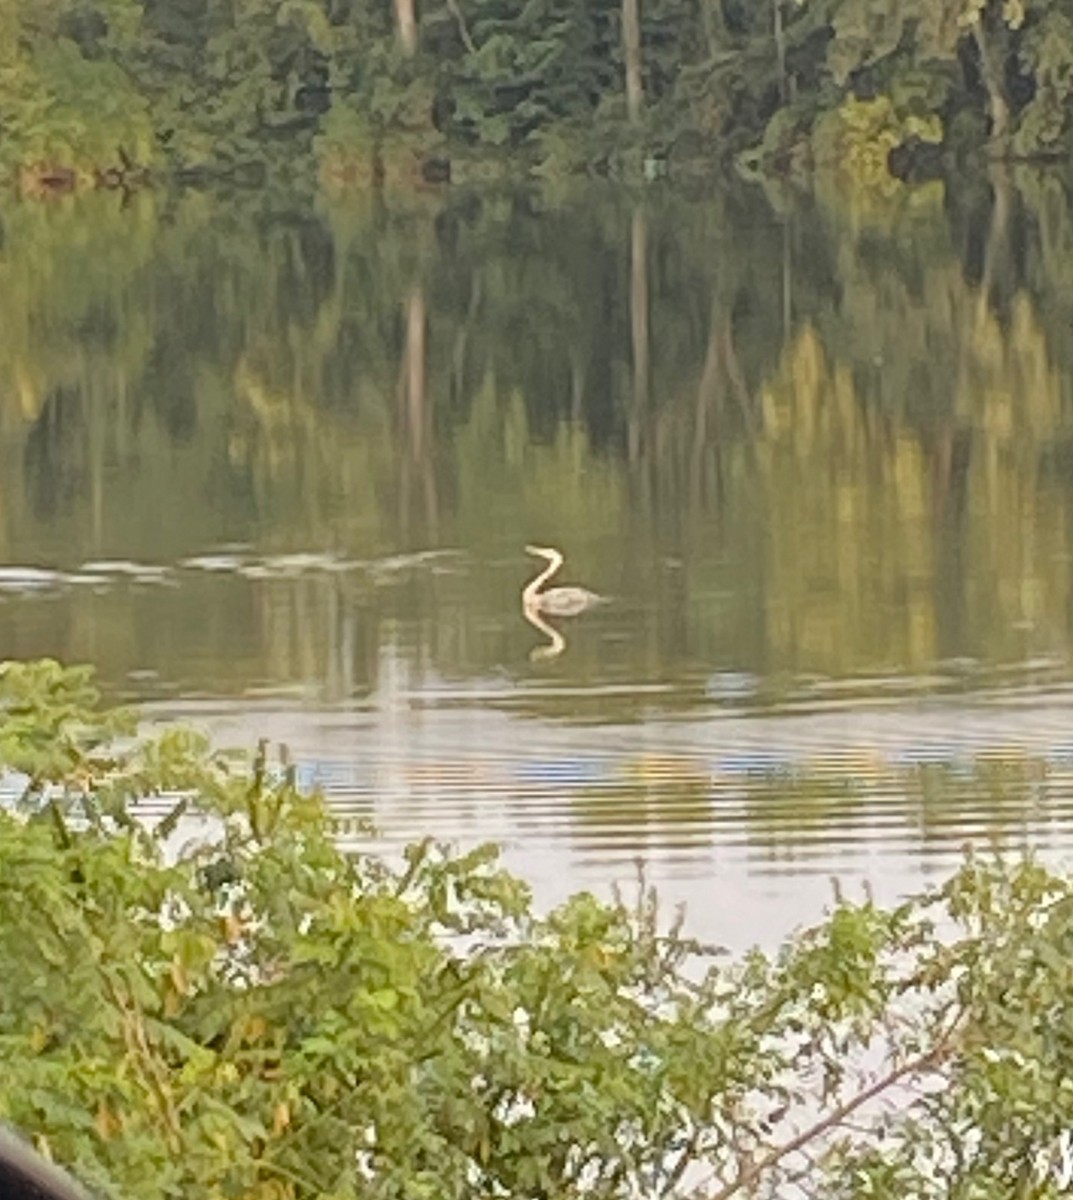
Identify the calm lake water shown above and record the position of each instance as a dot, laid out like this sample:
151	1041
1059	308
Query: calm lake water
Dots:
273	468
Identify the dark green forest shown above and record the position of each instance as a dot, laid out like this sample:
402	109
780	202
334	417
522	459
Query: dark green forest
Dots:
424	90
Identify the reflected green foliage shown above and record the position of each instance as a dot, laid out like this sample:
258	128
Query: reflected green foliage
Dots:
718	412
375	90
251	1011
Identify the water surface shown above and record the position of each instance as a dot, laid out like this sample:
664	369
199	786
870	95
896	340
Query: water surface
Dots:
272	467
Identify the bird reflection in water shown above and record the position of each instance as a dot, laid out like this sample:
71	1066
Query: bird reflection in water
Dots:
554	602
555	644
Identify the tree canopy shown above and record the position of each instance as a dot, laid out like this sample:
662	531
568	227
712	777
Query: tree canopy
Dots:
374	88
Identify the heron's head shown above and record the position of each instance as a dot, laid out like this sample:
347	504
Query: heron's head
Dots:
542	551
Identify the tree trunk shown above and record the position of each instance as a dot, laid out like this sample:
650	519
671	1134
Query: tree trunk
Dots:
780	47
715	29
631	49
406	21
991	73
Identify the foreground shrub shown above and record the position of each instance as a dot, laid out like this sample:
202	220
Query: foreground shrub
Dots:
255	1013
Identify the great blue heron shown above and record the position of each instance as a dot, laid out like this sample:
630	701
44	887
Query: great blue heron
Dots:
556	601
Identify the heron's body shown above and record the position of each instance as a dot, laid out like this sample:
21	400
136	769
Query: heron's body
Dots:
557	601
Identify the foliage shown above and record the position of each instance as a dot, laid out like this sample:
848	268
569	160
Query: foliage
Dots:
64	100
253	88
254	1012
856	140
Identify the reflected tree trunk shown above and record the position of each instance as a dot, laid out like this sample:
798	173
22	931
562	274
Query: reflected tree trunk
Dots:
631	53
735	375
406	24
416	421
639	328
705	412
458	362
415	371
341	623
950	505
96	420
996	251
577	390
950	471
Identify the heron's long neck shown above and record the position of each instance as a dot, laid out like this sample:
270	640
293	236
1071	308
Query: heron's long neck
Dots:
555	561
